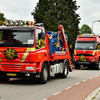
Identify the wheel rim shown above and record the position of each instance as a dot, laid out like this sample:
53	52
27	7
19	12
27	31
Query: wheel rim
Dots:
99	65
45	74
65	72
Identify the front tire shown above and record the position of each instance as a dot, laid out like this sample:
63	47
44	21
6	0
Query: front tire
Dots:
44	75
98	65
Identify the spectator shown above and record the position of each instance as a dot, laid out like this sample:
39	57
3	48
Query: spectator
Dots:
10	38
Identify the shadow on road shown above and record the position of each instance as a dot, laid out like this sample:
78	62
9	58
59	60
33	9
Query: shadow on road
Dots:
20	81
86	68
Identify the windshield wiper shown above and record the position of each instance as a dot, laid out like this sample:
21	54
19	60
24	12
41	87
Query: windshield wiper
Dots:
88	48
79	48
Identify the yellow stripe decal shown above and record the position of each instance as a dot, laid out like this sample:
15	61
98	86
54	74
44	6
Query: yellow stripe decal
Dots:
95	51
75	52
26	53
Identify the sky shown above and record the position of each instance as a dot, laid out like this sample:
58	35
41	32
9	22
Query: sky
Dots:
89	11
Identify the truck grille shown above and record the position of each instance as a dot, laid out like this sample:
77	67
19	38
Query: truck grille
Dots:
11	67
84	54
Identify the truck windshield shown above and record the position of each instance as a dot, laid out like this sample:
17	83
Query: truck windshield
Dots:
16	39
85	46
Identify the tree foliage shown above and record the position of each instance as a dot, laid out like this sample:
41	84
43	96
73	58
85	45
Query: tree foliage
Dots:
85	29
2	18
55	12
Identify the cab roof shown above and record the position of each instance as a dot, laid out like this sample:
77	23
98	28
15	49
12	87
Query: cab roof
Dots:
17	28
24	28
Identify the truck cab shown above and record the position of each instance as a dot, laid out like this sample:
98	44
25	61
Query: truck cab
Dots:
86	51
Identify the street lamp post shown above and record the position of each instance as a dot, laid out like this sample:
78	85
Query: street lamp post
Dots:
94	22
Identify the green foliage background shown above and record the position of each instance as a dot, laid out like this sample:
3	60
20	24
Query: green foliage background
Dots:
2	18
85	29
55	12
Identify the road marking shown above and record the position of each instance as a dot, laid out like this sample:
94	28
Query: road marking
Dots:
84	80
91	78
77	83
68	87
57	93
45	99
97	76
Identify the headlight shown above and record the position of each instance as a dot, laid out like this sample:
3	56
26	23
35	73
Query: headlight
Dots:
93	59
30	68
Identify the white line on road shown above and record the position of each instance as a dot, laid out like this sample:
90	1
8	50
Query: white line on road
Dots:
97	76
45	99
77	83
84	80
68	87
57	93
91	78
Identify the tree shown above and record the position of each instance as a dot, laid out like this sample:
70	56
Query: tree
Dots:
85	29
2	18
55	12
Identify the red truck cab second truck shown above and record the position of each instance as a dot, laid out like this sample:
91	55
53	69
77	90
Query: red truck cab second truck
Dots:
87	51
29	51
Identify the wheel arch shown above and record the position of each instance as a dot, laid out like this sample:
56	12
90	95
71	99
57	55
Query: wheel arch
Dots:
41	63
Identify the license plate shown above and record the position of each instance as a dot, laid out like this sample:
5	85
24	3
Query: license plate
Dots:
11	74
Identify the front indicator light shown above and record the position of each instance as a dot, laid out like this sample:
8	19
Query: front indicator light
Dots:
74	59
93	59
30	68
27	74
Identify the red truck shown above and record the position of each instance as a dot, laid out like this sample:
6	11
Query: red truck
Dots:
87	51
28	52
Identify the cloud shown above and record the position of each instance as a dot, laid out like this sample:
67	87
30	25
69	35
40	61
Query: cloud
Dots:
89	12
18	9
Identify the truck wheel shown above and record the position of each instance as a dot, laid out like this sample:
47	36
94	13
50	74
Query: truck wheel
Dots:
65	71
44	74
98	65
4	79
77	66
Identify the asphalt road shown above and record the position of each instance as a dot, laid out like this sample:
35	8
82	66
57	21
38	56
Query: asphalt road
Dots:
19	89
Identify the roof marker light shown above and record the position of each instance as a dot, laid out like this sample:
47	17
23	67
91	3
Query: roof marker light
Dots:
4	23
7	24
21	22
16	23
11	23
91	35
31	23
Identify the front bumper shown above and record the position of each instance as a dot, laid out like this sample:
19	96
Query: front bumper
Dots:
85	63
17	70
23	74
